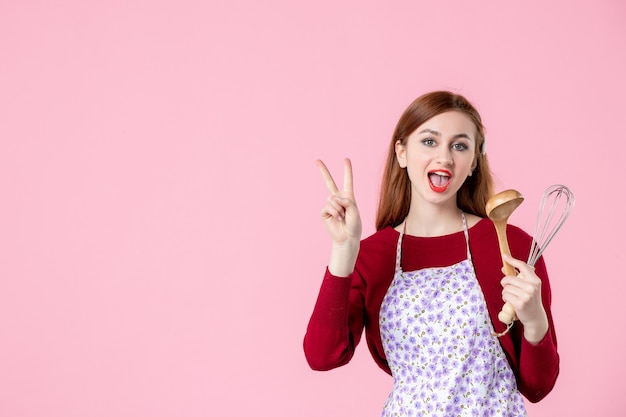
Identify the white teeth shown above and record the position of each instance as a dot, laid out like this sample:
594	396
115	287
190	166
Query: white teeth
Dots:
441	174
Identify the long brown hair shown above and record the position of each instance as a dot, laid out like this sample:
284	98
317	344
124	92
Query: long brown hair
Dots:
395	191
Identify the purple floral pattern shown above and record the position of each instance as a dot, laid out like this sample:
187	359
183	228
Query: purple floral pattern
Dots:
438	340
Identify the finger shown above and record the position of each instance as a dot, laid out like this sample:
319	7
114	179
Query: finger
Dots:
519	265
335	204
331	212
508	269
347	176
328	179
516	281
520	289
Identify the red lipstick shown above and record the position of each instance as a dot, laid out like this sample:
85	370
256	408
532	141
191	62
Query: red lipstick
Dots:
439	180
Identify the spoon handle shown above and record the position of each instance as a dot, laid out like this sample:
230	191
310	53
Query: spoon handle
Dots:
504	245
507	315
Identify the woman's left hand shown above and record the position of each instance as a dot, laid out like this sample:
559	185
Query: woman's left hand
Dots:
523	292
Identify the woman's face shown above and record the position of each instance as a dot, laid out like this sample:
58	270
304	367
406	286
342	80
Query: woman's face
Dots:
438	156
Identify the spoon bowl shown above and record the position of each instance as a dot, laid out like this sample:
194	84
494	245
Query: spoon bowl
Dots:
500	206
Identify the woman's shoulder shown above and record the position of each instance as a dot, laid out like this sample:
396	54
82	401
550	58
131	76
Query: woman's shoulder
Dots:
484	226
484	234
382	238
377	254
517	232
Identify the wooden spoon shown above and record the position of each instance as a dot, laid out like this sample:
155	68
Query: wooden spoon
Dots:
499	208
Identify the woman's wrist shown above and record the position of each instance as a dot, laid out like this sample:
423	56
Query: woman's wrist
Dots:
343	258
534	332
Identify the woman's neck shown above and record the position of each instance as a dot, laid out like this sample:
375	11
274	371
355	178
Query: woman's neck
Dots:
431	220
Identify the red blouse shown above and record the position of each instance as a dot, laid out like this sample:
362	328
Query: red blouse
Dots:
345	306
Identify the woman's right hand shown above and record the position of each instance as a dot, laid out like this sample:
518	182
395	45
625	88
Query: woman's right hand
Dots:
342	220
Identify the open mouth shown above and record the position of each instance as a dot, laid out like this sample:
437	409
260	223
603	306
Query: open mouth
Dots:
439	180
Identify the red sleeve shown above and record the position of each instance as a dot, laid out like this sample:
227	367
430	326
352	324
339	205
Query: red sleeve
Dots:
539	364
336	324
539	368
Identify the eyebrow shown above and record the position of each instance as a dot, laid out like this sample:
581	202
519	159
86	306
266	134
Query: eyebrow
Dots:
434	132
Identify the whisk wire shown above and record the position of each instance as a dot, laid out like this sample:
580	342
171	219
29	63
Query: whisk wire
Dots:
561	200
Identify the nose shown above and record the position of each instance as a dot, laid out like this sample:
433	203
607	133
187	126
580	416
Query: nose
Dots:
445	156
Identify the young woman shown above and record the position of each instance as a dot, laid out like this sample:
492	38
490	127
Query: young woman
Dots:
427	287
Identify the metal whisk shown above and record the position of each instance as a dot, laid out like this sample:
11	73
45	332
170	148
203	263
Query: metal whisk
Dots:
559	201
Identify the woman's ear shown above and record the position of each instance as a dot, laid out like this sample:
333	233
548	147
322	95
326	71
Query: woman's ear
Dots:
474	165
401	154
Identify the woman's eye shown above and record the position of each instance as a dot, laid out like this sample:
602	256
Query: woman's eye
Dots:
428	142
459	147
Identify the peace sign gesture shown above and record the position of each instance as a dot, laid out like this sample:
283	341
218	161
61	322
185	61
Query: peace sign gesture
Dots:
340	214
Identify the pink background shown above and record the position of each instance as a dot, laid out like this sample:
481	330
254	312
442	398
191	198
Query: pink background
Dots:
160	242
